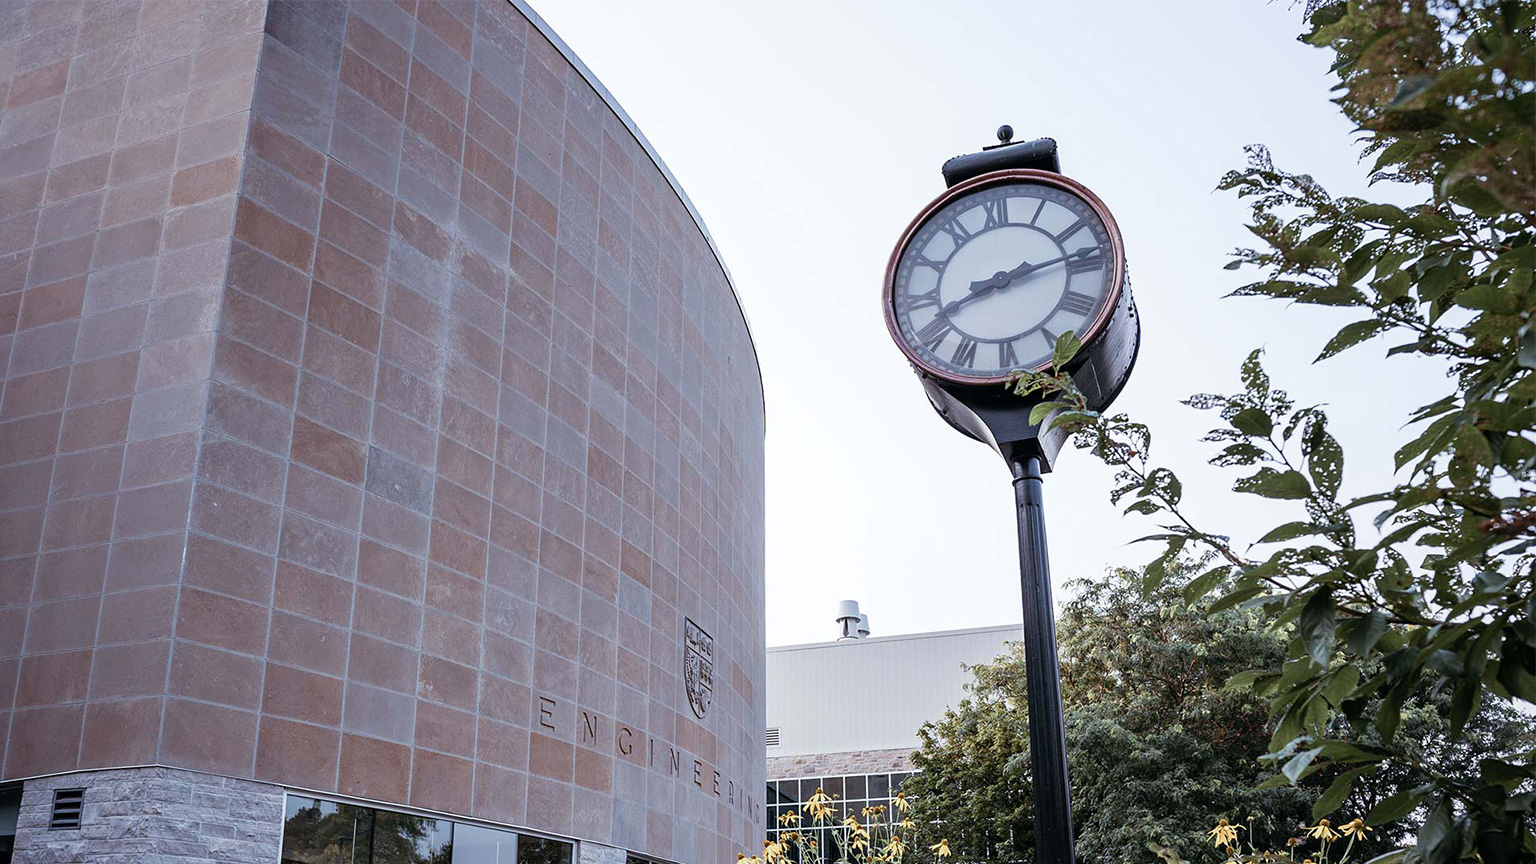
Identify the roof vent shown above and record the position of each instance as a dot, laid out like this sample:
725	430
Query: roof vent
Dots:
66	809
849	619
772	736
864	626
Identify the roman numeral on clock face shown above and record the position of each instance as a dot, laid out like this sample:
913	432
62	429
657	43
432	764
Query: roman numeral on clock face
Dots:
920	261
1082	304
1006	358
1092	261
1068	231
965	353
997	212
918	301
956	231
934	332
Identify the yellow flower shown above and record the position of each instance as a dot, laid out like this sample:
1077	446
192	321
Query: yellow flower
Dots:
1224	834
819	806
789	817
1321	831
1355	828
896	847
901	803
941	848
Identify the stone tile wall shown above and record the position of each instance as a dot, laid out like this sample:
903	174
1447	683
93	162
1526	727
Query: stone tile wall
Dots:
836	764
417	515
154	815
121	141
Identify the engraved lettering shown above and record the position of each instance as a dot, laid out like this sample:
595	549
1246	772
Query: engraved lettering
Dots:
589	726
546	712
698	773
625	733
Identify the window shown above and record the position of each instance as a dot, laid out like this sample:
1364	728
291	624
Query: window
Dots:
10	808
852	794
317	831
324	832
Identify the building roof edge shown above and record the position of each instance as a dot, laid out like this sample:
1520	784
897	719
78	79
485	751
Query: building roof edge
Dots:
901	637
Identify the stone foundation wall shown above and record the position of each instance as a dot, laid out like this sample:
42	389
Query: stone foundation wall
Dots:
153	816
834	764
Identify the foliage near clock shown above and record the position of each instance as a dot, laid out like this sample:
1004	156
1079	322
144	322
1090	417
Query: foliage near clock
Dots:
1426	588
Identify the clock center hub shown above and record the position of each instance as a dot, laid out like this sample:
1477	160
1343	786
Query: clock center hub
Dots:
1013	306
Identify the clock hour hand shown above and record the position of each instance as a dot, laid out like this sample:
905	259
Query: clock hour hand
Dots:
1003	278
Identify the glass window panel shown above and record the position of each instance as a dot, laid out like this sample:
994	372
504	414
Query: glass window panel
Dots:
401	838
853	787
474	844
833	786
897	780
10	809
316	831
880	786
539	850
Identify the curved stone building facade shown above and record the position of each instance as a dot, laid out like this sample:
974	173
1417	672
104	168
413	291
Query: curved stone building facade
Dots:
381	434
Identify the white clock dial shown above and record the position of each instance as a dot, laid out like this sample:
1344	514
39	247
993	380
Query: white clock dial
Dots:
986	284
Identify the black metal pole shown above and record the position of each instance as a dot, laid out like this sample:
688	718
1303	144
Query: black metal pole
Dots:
1047	737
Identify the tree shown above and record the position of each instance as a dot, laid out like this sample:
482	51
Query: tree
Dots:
1157	749
1426	589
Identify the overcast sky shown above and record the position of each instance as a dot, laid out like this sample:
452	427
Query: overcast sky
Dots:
808	134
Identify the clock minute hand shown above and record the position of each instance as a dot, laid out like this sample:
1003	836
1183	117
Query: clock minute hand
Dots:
1004	278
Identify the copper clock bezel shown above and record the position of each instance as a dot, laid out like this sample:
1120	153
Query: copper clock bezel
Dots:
998	178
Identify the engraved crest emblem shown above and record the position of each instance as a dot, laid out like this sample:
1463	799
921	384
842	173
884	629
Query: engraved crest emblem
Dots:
698	667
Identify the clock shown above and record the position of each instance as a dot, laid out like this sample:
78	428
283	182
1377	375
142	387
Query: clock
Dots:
990	273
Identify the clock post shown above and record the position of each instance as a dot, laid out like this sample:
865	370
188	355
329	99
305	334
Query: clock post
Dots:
982	284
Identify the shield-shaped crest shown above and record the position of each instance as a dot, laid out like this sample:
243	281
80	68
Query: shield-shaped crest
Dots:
698	667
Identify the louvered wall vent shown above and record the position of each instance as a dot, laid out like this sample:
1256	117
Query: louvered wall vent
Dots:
66	809
773	736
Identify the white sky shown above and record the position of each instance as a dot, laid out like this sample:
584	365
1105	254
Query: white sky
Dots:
808	134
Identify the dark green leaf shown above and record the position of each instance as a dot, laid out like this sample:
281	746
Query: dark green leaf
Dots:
1038	413
1336	792
1067	346
1253	421
1367	632
1271	483
1488	298
1317	626
1396	806
1351	335
1290	531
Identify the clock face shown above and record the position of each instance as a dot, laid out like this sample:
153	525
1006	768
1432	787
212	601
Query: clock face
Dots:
987	283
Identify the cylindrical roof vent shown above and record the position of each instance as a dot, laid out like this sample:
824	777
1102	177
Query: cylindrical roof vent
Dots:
848	619
864	626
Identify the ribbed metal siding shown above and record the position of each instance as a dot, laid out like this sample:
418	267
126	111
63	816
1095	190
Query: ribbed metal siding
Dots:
871	694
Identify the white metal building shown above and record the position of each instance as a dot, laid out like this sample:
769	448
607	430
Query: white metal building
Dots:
844	715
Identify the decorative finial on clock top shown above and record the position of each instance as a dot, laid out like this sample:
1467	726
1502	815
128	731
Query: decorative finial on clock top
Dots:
1005	134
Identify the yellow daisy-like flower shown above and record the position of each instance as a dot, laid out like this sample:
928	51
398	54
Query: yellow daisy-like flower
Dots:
940	848
1355	828
819	806
1224	834
1321	831
896	848
901	803
789	817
